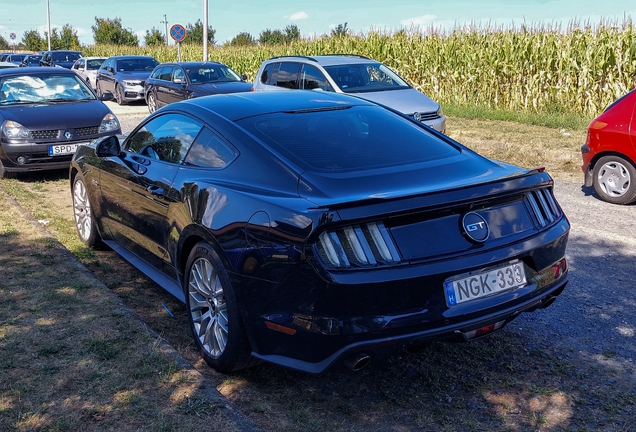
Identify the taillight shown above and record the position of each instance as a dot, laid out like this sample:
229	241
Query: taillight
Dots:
357	246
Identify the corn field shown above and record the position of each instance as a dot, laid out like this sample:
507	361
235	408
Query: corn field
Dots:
542	69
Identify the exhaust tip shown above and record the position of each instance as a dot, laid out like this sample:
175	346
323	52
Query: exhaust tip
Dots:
548	302
358	361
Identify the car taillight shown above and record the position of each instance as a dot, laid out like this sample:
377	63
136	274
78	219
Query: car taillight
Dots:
357	246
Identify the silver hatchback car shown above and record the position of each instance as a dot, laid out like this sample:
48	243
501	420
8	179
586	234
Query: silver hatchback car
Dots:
356	75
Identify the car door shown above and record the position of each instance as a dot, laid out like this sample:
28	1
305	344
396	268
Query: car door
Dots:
163	85
106	77
178	85
137	185
78	68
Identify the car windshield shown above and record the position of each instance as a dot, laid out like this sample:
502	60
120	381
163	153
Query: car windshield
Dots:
349	138
94	64
367	77
43	88
136	64
213	73
65	56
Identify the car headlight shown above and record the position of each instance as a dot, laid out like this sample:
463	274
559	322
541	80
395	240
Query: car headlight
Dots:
109	123
14	130
132	83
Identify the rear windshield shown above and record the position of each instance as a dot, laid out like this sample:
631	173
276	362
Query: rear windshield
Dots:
347	139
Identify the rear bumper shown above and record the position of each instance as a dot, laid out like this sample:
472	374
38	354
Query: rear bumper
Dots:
381	347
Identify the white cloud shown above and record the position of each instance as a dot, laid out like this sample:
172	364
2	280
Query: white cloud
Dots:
423	20
299	16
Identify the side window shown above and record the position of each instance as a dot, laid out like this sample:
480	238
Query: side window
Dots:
311	78
209	151
267	73
167	138
288	75
178	73
166	73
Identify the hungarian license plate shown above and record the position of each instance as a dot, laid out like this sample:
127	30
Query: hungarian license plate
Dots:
63	149
484	283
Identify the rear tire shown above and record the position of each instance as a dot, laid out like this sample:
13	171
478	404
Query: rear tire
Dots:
213	312
614	180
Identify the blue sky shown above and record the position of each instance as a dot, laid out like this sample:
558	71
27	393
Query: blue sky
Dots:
313	18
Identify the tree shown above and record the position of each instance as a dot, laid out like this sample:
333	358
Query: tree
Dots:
194	34
341	30
4	45
154	37
69	39
33	41
243	39
292	32
107	31
271	37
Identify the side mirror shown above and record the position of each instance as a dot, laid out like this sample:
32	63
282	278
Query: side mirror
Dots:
108	147
178	81
243	77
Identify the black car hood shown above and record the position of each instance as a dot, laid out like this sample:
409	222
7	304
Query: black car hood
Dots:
60	115
326	189
220	87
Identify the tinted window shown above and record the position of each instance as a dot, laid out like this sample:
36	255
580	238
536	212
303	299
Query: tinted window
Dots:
167	138
367	77
311	78
209	151
178	73
348	138
267	73
65	56
288	75
211	73
94	64
136	64
166	73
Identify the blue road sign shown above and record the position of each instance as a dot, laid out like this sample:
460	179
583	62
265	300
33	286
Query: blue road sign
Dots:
178	32
13	36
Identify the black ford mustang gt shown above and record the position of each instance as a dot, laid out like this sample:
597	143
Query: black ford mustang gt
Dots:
308	229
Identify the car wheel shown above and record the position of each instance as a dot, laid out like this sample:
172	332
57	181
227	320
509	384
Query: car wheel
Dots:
152	103
615	180
84	218
213	312
119	95
6	174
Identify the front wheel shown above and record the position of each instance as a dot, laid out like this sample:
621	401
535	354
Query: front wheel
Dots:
119	95
84	218
615	180
213	312
152	103
6	174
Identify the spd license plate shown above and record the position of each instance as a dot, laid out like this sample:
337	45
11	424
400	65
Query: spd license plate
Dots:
483	284
61	150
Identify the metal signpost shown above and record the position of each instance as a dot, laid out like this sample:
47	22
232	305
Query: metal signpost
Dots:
178	33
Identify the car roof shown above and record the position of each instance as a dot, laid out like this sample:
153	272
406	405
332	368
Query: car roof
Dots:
123	57
191	63
331	59
35	70
236	106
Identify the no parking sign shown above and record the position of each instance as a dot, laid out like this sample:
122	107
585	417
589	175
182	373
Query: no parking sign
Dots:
178	33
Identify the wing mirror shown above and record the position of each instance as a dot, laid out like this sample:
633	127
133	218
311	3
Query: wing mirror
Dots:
108	147
243	77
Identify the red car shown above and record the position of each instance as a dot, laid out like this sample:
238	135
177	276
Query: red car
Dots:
609	154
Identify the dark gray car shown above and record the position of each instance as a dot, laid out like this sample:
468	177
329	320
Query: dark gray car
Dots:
125	76
355	75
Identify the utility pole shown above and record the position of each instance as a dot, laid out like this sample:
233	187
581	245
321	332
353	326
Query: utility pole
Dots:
165	21
48	23
205	30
